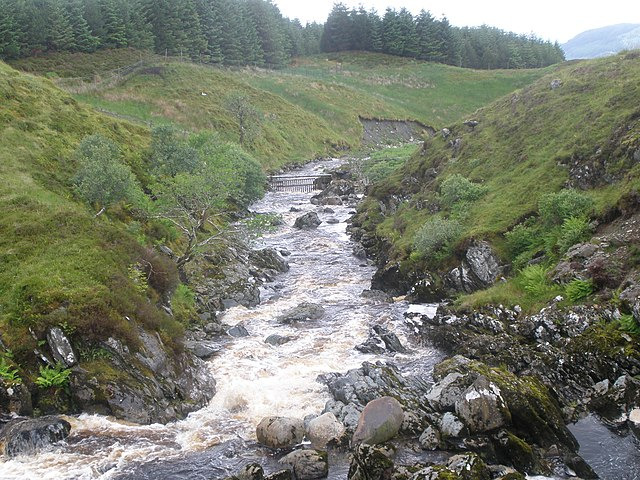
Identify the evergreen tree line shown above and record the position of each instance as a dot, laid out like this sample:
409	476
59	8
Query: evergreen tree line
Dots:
232	32
424	37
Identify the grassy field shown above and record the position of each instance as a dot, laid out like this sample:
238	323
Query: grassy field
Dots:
308	110
521	150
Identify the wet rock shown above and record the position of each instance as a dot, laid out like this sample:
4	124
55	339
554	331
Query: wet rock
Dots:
277	340
446	392
380	421
371	462
253	471
204	350
15	398
328	210
469	467
295	209
307	221
324	429
238	331
348	414
280	432
27	436
332	221
634	421
61	347
303	312
333	200
451	426
281	475
481	406
307	464
284	252
377	296
359	251
268	259
478	270
381	340
430	439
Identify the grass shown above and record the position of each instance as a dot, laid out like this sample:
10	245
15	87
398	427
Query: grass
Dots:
516	154
309	110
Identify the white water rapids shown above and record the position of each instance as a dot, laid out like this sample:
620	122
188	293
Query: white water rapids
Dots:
254	379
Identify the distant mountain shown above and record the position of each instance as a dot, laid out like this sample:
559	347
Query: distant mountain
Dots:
604	41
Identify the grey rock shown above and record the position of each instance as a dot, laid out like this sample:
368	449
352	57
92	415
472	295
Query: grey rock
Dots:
307	464
380	421
27	436
295	209
280	432
377	296
451	426
277	340
478	270
238	331
636	310
284	252
167	251
303	312
307	221
333	200
445	132
15	399
381	340
332	221
555	84
324	429
371	462
204	350
446	392
61	347
280	475
430	439
469	467
471	123
359	251
269	259
214	328
253	471
328	210
482	407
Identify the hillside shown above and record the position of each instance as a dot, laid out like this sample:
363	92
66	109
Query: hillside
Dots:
604	41
575	130
308	110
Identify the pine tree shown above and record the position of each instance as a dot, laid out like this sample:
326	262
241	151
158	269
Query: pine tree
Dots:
9	31
59	35
392	39
114	26
191	39
231	43
375	36
211	27
337	35
255	36
137	28
84	41
407	29
268	23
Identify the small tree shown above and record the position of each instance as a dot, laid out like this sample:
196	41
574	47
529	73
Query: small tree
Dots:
102	179
170	154
246	115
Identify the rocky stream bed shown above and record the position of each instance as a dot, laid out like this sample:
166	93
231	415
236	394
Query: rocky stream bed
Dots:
318	376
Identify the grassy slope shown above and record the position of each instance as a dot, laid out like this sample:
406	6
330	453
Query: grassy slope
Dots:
516	149
310	109
60	265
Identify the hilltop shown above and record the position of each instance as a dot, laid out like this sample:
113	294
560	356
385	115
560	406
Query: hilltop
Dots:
603	41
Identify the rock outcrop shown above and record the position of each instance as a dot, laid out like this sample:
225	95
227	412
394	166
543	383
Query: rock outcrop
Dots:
28	435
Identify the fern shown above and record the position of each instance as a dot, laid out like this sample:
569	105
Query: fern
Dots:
579	289
629	324
8	374
57	376
534	281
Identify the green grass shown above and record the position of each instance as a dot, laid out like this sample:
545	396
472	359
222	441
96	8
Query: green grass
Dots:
309	110
516	152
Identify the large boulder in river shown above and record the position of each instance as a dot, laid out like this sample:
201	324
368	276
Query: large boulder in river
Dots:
307	464
303	312
25	436
307	221
269	258
280	432
379	422
324	429
481	406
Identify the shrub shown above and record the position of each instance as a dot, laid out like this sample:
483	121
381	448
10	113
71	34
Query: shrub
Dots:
457	188
579	289
160	271
436	234
629	324
534	281
520	239
102	179
171	154
572	231
9	374
53	377
183	304
555	208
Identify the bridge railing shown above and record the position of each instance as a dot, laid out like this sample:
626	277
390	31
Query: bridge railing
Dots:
298	183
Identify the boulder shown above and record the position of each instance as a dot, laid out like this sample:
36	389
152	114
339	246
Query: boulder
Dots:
333	200
469	467
371	462
61	347
269	259
238	331
280	475
430	439
253	471
307	221
332	221
277	340
280	432
26	436
307	464
381	340
15	398
451	426
479	269
446	392
303	312
359	251
204	350
324	429
482	407
379	422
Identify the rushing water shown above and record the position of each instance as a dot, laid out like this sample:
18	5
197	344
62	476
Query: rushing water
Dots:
254	379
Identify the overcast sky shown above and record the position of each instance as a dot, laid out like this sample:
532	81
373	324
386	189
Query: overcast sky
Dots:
549	19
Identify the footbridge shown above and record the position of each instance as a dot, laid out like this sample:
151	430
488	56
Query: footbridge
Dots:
299	183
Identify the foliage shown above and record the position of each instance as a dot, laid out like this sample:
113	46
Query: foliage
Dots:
102	179
534	281
138	278
555	208
170	154
456	188
628	324
435	235
572	231
183	304
426	38
246	116
577	290
260	223
53	377
9	374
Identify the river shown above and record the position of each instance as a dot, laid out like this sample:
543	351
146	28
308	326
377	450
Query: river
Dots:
254	379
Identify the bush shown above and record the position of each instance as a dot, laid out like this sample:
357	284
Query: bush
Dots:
520	239
171	154
102	179
629	324
579	289
435	235
574	230
533	280
55	377
9	374
555	208
183	304
457	188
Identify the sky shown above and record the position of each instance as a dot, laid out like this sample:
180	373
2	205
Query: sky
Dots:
555	20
